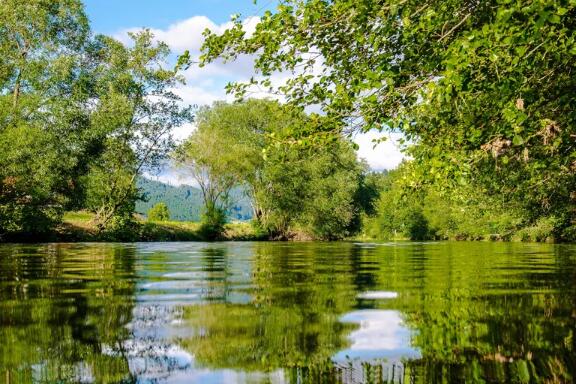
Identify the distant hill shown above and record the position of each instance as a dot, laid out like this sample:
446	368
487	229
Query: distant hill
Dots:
185	201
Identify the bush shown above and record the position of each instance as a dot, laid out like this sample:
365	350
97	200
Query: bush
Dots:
542	230
159	212
417	225
121	228
212	223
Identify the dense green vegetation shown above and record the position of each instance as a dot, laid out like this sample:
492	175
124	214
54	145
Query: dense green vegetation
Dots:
483	91
81	117
159	212
295	190
460	214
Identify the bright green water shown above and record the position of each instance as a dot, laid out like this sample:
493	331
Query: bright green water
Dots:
288	313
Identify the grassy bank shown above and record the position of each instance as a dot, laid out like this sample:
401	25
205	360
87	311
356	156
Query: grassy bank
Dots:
79	226
541	232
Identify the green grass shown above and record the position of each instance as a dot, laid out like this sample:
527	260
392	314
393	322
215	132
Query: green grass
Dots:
79	216
79	226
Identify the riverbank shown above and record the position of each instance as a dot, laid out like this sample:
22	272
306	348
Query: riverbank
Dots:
533	234
79	226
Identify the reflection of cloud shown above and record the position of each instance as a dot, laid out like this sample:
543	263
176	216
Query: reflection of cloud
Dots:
151	359
378	295
381	335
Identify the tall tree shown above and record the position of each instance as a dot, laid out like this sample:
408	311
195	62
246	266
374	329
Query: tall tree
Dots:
80	117
44	114
292	187
136	113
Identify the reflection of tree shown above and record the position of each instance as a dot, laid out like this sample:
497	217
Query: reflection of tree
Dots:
480	312
489	319
292	320
63	311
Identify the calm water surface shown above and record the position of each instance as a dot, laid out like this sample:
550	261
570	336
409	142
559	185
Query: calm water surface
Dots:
288	313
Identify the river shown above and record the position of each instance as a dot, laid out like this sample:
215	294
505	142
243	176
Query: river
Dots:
243	312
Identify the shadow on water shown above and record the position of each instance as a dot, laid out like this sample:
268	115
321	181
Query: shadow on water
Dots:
288	313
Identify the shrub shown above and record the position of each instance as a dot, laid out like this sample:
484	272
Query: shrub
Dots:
159	212
212	223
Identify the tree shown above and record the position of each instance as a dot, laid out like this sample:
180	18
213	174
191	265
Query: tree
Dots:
292	187
207	156
136	113
482	88
44	111
311	190
159	212
431	213
80	117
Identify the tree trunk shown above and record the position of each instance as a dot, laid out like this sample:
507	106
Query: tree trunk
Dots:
16	93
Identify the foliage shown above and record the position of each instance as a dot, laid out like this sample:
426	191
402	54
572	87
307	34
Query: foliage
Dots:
312	191
461	213
320	191
80	116
212	222
29	198
43	116
137	113
542	230
211	158
400	215
159	212
483	89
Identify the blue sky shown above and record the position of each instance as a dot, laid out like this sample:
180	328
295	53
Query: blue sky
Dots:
110	16
180	24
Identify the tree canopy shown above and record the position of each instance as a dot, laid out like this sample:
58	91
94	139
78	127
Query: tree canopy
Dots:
318	191
81	116
484	90
159	212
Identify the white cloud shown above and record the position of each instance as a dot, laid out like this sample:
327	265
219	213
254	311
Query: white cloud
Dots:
182	132
193	95
171	175
384	155
187	35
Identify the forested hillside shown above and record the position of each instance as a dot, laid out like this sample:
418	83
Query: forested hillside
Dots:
185	202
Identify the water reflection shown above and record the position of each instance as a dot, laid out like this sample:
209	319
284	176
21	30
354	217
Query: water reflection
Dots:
382	334
59	305
288	313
